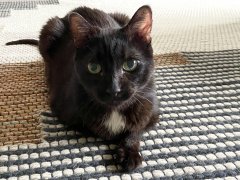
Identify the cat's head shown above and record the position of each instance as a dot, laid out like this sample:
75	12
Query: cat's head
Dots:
114	65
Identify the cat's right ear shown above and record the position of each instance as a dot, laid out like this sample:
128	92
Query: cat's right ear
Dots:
81	30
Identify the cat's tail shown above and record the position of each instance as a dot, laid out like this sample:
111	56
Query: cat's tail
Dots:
24	41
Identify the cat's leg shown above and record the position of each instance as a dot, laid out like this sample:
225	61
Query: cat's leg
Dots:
128	152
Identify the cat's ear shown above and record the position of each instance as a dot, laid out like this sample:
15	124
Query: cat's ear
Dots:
141	24
81	30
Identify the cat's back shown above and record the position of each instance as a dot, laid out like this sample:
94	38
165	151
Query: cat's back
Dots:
96	17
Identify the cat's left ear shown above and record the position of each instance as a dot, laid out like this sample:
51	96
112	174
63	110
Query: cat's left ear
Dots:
141	24
80	29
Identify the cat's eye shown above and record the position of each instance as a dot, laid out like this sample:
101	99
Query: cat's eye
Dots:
94	68
130	65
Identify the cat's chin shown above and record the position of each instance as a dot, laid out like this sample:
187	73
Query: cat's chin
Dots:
120	105
114	105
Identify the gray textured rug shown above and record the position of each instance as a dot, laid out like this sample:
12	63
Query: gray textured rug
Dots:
198	136
7	5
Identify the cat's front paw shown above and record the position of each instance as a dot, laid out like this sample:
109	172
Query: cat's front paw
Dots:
129	158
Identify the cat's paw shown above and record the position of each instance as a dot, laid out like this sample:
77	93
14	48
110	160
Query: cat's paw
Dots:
129	159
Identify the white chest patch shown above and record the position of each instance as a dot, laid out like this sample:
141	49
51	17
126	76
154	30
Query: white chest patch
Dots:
115	123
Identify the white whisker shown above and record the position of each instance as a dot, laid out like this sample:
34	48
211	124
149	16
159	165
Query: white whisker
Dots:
135	97
137	94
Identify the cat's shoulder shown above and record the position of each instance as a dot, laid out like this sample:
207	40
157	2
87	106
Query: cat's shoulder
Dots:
50	33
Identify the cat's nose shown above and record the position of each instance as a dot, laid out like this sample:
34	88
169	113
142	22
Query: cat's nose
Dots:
114	92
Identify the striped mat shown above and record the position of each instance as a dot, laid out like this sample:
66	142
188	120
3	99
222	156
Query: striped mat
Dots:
198	136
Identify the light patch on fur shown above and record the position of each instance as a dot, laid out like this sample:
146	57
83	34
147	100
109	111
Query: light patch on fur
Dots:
115	123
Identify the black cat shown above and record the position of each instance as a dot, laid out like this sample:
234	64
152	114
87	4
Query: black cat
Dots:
99	70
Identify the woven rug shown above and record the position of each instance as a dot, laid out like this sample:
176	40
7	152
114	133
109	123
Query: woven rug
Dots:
23	95
197	72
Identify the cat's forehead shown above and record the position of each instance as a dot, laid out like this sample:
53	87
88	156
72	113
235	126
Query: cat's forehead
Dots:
115	45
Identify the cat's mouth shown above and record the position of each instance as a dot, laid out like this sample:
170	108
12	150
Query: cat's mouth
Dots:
113	102
116	103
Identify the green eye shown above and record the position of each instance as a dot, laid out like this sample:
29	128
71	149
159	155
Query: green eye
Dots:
94	68
130	65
